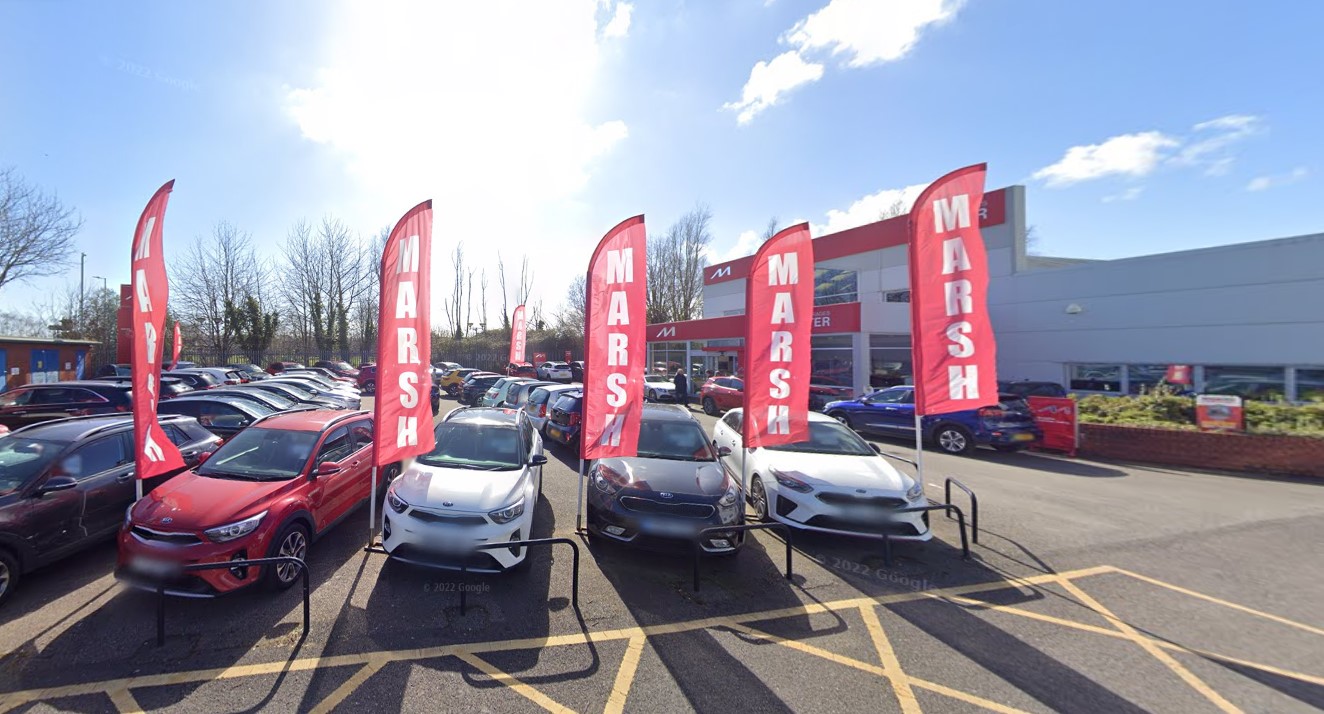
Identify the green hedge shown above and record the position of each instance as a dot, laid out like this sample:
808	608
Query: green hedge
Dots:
1162	408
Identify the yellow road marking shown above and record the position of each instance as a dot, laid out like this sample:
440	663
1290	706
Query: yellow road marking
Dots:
124	702
891	665
1148	645
963	696
13	699
1224	603
519	687
620	689
67	620
335	698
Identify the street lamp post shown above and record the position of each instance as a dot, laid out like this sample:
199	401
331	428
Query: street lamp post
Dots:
104	286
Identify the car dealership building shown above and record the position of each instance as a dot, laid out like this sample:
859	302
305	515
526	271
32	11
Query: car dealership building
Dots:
1248	318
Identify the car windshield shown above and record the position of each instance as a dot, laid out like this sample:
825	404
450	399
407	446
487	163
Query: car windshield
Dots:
468	445
341	365
279	401
674	440
829	438
300	389
259	454
23	459
654	379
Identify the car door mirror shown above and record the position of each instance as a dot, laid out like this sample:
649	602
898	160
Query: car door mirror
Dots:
327	468
875	448
56	483
723	451
538	460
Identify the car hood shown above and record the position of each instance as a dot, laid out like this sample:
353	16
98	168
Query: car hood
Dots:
458	489
660	385
193	502
696	478
855	472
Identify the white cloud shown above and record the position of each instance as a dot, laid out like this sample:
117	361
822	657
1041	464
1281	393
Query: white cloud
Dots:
1129	194
619	25
868	209
1263	183
1125	155
745	244
497	134
866	32
768	81
1215	136
869	31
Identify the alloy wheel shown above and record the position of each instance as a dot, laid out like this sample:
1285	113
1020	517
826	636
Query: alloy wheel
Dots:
295	545
5	578
759	497
952	441
709	406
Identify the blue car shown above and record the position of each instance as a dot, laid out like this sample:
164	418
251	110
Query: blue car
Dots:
1009	426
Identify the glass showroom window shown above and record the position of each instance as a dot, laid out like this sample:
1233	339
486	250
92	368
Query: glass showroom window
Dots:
666	357
1310	384
832	286
889	360
1144	377
1096	377
1262	383
834	360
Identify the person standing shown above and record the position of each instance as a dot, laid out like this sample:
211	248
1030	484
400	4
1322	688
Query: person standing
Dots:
682	388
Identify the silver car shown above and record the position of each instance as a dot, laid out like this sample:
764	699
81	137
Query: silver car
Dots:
538	406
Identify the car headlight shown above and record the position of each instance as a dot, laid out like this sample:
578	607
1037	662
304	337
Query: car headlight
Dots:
128	514
729	498
238	529
607	481
916	492
509	513
788	481
396	503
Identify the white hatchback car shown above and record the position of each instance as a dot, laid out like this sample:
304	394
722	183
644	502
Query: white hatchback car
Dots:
833	482
554	371
480	484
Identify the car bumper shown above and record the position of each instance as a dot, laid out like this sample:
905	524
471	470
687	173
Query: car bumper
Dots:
807	511
611	520
561	433
135	554
449	547
1011	436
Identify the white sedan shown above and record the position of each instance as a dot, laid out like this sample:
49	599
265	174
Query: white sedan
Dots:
658	388
833	482
479	485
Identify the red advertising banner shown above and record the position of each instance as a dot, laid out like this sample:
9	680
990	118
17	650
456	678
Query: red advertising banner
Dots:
174	352
1178	374
1218	412
539	358
567	356
403	412
615	321
1056	418
953	351
518	335
154	453
780	299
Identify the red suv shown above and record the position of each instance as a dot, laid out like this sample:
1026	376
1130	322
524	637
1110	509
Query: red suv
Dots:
367	378
721	393
521	369
268	491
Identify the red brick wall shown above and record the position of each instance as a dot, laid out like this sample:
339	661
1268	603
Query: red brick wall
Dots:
1252	453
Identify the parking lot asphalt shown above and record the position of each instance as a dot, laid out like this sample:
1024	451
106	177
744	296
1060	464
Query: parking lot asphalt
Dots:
1093	587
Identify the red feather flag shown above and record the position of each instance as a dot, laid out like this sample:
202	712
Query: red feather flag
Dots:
615	322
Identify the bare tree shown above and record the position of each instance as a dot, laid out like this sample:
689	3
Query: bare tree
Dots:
36	231
482	318
899	207
770	230
455	303
571	318
501	280
217	269
525	282
675	267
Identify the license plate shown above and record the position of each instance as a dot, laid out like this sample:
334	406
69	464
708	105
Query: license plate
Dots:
863	514
1022	437
554	432
153	567
668	528
448	542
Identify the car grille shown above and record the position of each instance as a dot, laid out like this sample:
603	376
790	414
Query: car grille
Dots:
452	520
846	499
165	538
683	510
842	524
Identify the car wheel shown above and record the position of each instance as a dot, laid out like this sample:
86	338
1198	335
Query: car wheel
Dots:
842	417
292	541
953	439
370	387
758	498
385	477
710	407
652	395
9	573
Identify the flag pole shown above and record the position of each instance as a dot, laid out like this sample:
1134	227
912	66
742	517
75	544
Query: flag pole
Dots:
579	501
137	488
919	447
372	506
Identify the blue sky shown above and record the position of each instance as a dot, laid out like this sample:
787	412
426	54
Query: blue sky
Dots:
1137	127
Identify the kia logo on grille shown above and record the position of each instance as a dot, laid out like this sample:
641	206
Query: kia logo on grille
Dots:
447	504
664	494
860	490
167	519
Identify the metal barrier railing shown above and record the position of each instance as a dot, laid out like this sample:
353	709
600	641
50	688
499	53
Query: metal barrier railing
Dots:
574	573
780	527
974	505
226	565
902	459
960	518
